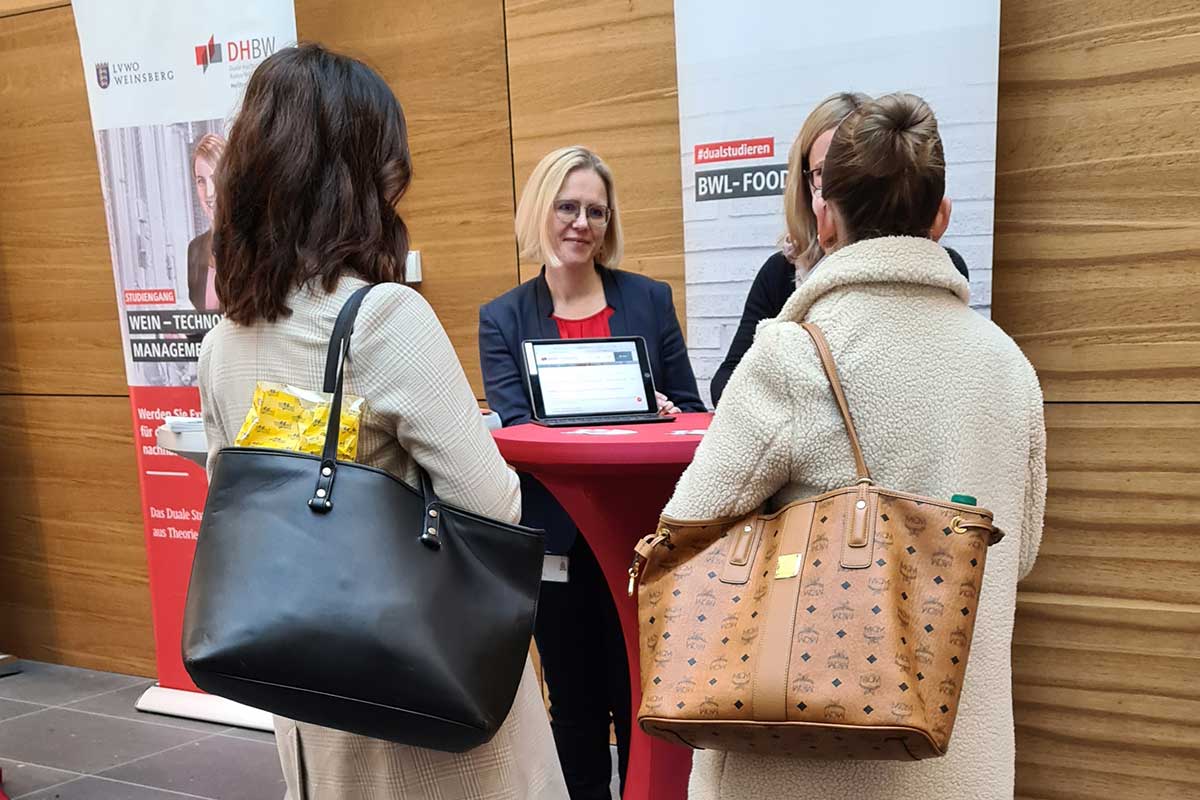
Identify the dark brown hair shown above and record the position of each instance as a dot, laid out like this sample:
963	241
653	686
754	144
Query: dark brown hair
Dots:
316	162
885	171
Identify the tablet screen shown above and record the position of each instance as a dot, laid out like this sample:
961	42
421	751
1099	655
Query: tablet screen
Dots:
581	376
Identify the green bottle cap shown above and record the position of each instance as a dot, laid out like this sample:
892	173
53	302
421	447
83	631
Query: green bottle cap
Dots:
965	499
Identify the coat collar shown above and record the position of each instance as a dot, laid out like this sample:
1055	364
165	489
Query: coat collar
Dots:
888	259
548	328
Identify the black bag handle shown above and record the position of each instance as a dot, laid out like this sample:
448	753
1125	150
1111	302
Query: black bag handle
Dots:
342	329
335	367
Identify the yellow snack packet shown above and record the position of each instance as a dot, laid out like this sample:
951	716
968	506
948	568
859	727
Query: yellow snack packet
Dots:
288	418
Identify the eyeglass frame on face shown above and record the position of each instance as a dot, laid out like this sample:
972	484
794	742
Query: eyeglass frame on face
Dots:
813	178
808	174
567	217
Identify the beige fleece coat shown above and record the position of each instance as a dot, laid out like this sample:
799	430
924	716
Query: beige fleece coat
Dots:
944	403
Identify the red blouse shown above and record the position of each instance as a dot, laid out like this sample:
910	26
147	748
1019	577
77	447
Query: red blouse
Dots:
593	327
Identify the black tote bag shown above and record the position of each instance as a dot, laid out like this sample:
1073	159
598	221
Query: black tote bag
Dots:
332	593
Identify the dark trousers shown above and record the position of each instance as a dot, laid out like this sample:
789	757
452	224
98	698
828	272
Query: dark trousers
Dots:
583	662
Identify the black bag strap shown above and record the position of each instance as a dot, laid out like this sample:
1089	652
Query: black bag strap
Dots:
342	328
335	368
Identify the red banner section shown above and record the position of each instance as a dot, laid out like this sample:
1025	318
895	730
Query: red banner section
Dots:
173	492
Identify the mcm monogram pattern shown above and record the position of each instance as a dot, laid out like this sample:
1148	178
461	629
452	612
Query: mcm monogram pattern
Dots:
872	660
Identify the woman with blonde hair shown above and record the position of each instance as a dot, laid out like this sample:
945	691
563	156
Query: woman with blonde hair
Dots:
778	276
569	219
943	402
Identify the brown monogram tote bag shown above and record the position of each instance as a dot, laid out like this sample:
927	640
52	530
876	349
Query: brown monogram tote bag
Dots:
837	627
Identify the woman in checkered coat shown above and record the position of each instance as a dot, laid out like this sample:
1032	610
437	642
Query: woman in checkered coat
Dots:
307	190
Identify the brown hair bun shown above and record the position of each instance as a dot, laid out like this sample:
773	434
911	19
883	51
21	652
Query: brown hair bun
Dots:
885	170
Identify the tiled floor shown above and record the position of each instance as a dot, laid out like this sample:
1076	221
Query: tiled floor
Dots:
73	734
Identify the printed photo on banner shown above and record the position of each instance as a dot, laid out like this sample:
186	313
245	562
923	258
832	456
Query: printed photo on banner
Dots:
747	81
160	192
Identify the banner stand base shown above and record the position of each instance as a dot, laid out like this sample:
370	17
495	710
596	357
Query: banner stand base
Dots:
204	707
9	665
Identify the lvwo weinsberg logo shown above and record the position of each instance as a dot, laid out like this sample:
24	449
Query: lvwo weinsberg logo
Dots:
126	73
243	50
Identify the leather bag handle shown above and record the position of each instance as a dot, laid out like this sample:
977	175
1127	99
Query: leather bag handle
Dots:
648	543
335	368
831	372
342	329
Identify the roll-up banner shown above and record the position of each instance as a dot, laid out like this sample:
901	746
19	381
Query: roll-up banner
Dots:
750	73
164	81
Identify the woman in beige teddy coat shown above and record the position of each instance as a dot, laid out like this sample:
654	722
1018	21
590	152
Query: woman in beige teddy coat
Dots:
944	402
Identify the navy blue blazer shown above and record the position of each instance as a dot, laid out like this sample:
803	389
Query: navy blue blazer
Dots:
641	307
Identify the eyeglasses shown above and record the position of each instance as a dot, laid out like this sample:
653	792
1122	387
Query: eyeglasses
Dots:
567	211
813	176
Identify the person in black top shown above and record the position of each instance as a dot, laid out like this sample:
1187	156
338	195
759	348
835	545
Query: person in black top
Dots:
772	286
777	277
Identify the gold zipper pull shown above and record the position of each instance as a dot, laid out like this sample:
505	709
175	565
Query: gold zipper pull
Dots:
634	569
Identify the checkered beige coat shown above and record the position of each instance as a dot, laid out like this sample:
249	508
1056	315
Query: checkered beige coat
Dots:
420	408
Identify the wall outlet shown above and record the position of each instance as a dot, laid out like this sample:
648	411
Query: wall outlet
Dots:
412	267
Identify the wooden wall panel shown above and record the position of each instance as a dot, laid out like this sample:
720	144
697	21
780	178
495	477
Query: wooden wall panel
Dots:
1097	217
11	7
72	555
1124	511
57	299
445	61
602	74
1107	645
